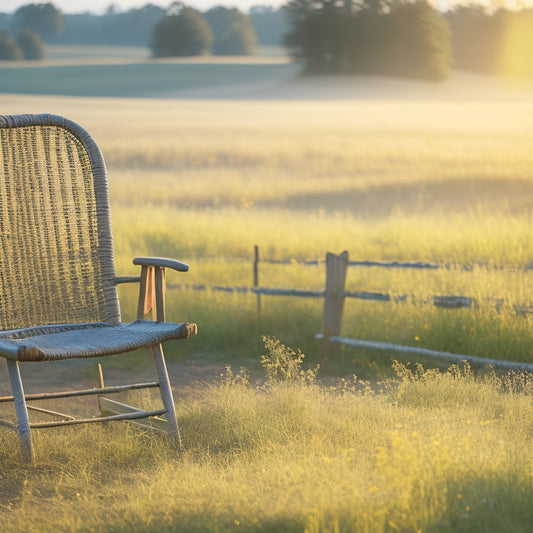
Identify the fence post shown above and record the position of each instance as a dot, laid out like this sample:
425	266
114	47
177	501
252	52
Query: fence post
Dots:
336	266
256	276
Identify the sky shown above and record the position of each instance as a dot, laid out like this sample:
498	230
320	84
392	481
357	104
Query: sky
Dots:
99	6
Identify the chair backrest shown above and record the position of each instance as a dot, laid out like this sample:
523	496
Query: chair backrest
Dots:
56	245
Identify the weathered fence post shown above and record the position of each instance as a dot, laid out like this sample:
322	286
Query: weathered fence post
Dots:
336	266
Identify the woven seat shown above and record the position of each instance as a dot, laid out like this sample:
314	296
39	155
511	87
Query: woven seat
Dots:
58	289
93	340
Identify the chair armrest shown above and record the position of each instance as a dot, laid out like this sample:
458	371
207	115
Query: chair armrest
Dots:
161	262
153	286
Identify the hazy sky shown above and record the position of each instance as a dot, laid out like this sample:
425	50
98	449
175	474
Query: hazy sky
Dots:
99	6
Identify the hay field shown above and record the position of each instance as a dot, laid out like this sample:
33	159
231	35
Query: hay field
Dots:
386	169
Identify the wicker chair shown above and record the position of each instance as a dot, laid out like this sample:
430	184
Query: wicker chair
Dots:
58	289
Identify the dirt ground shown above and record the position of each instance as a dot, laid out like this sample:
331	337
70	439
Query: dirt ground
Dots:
186	376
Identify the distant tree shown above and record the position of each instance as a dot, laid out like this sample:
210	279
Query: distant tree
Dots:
185	33
320	33
82	28
270	24
391	37
497	42
418	43
134	26
9	49
233	31
44	19
31	45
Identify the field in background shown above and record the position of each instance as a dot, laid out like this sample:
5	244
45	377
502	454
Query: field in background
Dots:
387	169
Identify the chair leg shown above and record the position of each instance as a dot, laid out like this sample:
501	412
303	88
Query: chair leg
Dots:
23	423
166	392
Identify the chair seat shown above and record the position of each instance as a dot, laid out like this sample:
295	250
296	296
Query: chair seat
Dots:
49	343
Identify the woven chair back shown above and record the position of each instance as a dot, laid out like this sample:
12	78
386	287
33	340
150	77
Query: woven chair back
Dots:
56	246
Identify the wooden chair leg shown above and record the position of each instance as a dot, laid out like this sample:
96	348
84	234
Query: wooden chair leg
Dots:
166	392
23	423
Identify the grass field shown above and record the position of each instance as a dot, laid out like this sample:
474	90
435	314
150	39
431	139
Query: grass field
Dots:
386	169
423	451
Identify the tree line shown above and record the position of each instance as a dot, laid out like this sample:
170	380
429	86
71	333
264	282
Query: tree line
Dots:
407	38
22	34
135	27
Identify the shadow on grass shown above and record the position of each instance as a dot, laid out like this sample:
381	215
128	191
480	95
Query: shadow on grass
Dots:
450	196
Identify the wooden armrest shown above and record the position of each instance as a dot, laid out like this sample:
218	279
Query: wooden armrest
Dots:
153	287
117	280
161	262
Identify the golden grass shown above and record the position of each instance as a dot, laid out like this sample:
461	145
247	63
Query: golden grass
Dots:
423	451
439	173
408	172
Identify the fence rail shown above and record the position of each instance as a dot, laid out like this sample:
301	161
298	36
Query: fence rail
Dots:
335	295
333	310
415	350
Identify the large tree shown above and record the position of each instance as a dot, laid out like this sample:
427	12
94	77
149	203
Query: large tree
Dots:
184	32
395	37
44	19
320	33
233	32
418	43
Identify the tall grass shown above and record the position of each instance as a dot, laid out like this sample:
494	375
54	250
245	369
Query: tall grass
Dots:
423	451
414	172
419	172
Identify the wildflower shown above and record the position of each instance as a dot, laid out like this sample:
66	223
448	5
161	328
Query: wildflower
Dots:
373	489
417	338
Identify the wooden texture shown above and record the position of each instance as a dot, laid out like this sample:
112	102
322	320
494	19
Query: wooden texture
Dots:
160	293
139	413
111	407
23	423
83	392
336	266
166	393
163	262
448	356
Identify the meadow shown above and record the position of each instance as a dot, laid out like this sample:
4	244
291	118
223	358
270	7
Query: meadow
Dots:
421	451
422	173
386	169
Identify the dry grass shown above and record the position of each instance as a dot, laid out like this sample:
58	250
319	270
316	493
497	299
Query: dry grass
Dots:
385	169
424	451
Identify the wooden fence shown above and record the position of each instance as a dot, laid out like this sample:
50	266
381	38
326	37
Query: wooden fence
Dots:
335	295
